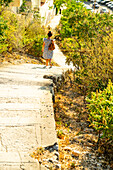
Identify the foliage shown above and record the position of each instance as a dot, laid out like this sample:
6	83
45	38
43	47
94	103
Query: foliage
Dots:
100	107
5	2
33	38
60	134
22	33
86	38
23	7
3	28
14	32
58	3
61	3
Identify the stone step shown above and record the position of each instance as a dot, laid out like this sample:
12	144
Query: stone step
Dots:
23	91
28	137
26	114
20	138
18	121
18	161
32	120
19	106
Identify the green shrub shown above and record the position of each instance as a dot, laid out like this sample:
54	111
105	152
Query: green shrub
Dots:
100	107
33	38
87	38
22	34
23	7
5	2
3	37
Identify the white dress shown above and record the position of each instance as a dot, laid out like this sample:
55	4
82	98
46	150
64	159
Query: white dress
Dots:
47	54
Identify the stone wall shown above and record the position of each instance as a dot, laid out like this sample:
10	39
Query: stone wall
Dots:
47	12
46	8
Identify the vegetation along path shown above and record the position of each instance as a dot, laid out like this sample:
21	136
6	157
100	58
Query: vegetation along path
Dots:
27	125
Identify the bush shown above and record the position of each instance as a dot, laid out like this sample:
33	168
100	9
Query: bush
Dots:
21	34
14	32
5	2
33	38
3	37
100	107
86	38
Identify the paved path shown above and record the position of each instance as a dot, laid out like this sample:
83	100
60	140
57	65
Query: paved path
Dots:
26	113
58	56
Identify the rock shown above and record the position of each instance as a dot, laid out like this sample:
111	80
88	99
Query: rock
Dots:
99	164
54	158
40	161
51	149
54	80
47	166
56	161
108	167
79	137
76	153
46	76
58	166
50	160
55	147
88	130
68	148
71	128
56	153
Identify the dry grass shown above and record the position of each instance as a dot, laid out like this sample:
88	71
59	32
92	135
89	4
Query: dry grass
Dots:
74	131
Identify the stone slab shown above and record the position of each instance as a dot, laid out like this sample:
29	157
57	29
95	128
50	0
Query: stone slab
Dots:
23	99
48	132
19	106
22	166
26	113
21	138
24	80
12	157
22	91
18	161
48	136
31	69
21	114
18	121
19	118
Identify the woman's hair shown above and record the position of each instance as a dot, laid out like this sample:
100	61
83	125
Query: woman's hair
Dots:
49	34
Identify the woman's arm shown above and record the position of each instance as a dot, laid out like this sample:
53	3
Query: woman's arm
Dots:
43	46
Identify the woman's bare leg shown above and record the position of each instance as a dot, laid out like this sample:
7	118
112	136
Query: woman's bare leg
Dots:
47	62
50	62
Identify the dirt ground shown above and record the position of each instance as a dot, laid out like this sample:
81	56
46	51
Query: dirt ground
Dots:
77	140
19	58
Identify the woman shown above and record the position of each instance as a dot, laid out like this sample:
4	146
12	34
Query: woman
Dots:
47	54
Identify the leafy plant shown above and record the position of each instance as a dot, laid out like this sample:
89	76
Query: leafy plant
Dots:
72	165
3	37
60	134
33	38
59	3
18	35
23	7
100	107
5	2
86	39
